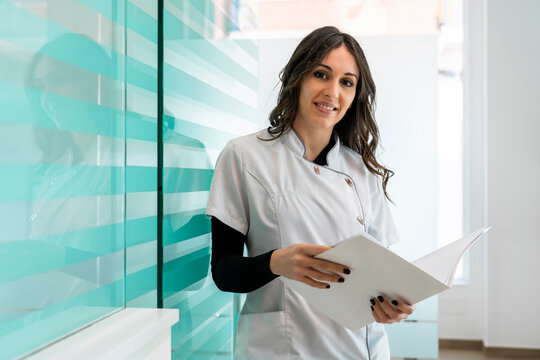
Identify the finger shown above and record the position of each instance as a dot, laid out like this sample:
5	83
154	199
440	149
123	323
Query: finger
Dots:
388	308
329	266
383	317
313	283
318	275
374	314
401	306
315	249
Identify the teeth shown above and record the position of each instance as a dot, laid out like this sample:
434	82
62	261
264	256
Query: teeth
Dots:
325	107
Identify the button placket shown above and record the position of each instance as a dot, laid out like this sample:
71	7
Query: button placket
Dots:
360	219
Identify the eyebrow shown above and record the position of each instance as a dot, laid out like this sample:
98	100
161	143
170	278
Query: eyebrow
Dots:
329	68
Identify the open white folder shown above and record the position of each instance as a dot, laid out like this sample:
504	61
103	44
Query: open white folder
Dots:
376	270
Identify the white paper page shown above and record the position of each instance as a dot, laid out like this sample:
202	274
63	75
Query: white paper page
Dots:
442	263
375	270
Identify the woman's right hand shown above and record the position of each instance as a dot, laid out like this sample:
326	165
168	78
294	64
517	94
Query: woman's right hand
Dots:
297	262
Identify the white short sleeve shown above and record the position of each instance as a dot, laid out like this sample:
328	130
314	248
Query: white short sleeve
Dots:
228	195
382	226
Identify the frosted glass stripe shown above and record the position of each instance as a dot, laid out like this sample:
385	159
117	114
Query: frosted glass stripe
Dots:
215	334
149	7
174	300
43	290
77	50
141	256
208	136
141	101
227	47
141	230
17	146
226	10
141	127
55	323
185	247
141	178
195	89
186	180
183	202
108	33
141	153
148	300
104	7
194	332
141	205
143	23
50	181
22	220
112	292
57	251
207	51
207	73
190	110
141	282
179	156
87	87
94	119
142	49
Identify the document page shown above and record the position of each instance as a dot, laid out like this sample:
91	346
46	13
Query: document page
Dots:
376	270
442	263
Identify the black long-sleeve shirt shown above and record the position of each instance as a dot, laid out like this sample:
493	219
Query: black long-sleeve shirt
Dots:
231	270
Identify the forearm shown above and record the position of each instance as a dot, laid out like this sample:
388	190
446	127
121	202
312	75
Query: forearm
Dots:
232	271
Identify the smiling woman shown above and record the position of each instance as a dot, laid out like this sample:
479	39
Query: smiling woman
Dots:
291	191
325	96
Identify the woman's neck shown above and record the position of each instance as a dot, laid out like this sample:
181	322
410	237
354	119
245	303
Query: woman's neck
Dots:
315	140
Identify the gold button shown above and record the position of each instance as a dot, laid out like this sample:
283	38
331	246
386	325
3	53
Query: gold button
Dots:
317	171
360	220
348	181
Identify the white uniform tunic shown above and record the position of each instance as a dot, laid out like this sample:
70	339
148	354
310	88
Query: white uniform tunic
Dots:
270	192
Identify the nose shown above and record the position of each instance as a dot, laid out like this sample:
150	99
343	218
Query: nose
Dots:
332	89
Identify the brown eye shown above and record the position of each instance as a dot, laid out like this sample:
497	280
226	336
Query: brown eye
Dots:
319	75
347	83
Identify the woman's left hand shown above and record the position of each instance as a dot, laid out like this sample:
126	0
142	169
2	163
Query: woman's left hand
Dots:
386	311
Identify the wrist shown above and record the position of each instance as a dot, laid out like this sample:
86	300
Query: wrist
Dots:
273	262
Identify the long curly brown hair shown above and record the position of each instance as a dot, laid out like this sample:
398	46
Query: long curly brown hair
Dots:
357	129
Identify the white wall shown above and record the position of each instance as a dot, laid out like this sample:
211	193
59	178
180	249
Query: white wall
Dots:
513	110
461	309
505	90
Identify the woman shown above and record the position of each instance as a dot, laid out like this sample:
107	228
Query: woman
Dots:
294	189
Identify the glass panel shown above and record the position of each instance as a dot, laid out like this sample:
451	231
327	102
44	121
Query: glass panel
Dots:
62	164
210	96
141	167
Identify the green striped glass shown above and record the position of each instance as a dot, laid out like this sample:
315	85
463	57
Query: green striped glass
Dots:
210	96
62	141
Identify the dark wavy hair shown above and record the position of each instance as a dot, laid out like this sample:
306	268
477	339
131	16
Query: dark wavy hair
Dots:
357	129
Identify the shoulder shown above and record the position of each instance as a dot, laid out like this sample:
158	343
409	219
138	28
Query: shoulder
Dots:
355	162
251	147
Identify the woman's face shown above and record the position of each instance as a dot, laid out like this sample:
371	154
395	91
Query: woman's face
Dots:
328	91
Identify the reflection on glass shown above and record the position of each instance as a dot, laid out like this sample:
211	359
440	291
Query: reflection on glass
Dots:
61	193
210	96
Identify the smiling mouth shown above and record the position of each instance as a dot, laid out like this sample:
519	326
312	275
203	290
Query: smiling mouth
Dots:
325	107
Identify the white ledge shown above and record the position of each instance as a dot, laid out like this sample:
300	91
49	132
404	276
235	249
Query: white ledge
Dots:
129	333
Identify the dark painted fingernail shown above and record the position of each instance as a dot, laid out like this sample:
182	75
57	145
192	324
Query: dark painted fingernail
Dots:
372	309
346	271
372	301
328	286
394	302
341	279
381	299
